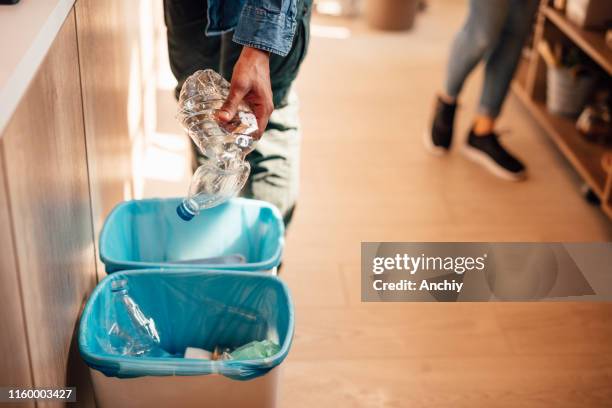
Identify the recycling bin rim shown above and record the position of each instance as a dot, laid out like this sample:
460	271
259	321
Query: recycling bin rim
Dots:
154	366
265	265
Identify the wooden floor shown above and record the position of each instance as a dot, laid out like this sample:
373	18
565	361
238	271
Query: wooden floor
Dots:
365	177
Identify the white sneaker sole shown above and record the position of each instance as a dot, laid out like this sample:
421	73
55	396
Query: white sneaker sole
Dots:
432	148
488	163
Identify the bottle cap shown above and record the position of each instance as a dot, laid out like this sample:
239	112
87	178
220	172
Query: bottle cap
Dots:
184	213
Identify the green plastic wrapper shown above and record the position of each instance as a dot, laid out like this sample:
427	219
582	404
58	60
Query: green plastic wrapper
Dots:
256	350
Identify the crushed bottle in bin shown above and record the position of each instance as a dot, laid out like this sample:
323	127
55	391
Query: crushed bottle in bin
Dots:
130	331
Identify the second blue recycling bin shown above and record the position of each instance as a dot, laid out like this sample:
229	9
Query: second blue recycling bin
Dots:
144	234
190	308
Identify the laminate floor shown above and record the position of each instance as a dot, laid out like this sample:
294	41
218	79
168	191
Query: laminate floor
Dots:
365	102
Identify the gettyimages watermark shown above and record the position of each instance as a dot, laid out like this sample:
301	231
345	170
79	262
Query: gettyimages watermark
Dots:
476	271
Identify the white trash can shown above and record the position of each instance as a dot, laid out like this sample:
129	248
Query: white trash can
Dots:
190	308
207	391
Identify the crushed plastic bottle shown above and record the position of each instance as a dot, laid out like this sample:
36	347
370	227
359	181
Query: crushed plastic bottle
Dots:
225	145
130	332
255	350
211	185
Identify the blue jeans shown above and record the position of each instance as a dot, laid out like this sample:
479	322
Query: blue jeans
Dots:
495	31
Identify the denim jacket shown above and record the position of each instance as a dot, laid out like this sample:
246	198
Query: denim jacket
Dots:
265	24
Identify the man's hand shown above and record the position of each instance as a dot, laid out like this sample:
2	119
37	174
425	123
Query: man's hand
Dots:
251	84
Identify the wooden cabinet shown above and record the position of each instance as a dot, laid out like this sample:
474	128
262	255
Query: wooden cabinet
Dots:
48	194
13	347
65	162
108	31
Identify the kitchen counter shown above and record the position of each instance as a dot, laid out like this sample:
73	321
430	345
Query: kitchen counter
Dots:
27	30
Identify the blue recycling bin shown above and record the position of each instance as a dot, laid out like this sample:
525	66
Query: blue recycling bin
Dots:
248	235
190	308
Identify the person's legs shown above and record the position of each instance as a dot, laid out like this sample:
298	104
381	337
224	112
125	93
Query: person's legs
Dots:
230	52
503	60
275	164
478	36
483	145
189	49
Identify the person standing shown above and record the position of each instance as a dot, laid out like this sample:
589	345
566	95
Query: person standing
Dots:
257	45
494	32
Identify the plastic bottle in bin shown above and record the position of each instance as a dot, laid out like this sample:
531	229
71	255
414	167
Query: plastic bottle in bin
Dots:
129	331
225	145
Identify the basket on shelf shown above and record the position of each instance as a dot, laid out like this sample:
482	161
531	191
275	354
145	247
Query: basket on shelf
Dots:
566	91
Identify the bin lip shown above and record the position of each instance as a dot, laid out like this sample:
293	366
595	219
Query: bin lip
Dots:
180	366
264	265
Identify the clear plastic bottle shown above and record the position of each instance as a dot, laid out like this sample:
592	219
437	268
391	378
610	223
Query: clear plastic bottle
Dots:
225	145
202	96
212	185
130	332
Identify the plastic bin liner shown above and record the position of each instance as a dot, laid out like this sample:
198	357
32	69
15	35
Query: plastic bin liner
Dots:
145	234
198	309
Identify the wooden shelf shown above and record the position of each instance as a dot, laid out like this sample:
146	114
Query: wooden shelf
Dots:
584	156
520	77
608	210
530	85
593	43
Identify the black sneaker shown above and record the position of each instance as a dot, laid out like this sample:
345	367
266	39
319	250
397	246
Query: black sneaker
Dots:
438	139
488	152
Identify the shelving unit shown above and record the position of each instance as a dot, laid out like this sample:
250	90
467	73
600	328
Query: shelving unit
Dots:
530	87
592	43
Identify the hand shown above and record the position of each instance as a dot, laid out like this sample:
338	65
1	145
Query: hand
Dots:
250	84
